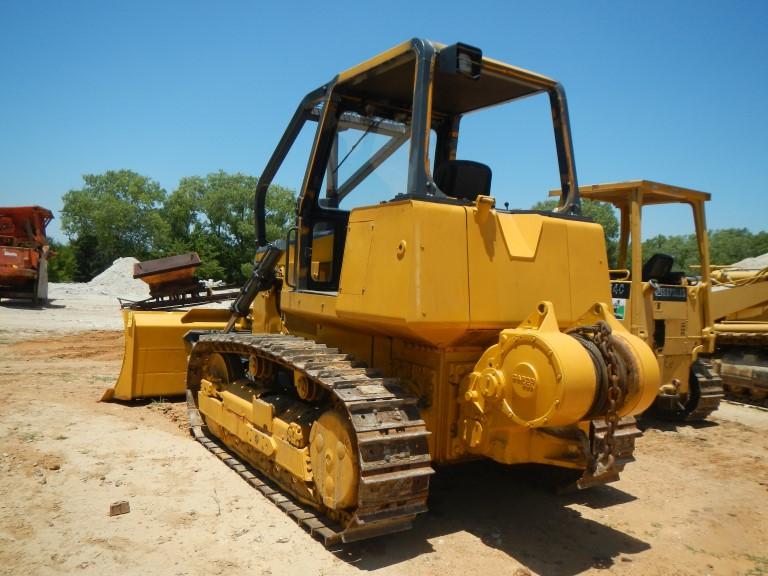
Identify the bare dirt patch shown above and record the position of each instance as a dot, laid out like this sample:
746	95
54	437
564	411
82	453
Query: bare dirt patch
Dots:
92	345
694	502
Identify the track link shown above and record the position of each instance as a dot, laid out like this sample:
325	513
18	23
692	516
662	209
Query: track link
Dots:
742	360
391	439
705	393
710	392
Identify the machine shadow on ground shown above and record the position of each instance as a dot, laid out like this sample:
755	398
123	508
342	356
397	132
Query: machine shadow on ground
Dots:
27	304
672	425
512	509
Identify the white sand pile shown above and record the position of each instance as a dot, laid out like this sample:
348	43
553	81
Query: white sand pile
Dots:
117	281
756	263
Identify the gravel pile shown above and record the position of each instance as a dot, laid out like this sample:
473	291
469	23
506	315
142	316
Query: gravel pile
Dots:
117	281
756	263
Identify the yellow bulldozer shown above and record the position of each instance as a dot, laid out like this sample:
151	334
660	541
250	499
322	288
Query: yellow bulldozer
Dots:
704	329
433	327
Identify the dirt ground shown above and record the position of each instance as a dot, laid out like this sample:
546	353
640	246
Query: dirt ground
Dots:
695	501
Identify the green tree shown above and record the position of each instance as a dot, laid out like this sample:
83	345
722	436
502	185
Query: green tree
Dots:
181	212
214	216
730	245
726	246
121	213
601	213
62	266
114	214
281	210
683	248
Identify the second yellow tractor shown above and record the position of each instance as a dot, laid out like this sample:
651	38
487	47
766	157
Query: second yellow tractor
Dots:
707	330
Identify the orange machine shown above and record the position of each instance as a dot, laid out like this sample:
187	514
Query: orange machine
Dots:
24	252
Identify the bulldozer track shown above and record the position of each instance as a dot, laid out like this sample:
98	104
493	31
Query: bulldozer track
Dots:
746	388
747	394
742	338
710	392
743	366
391	439
746	405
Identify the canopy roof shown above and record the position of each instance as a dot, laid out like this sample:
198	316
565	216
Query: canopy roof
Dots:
386	81
620	193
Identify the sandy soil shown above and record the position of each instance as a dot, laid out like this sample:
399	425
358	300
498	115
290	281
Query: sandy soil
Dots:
66	311
695	502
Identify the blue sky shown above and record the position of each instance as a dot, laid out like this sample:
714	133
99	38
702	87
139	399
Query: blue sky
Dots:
668	91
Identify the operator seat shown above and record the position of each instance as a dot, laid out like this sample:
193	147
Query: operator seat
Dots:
659	268
463	179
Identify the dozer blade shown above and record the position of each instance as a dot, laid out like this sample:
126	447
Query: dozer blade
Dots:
155	358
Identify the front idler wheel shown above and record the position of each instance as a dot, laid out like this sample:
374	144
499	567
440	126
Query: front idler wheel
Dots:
334	461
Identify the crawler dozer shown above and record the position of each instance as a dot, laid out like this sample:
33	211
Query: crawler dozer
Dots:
740	310
430	328
682	317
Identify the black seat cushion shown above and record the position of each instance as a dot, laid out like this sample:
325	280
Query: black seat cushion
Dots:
463	179
657	267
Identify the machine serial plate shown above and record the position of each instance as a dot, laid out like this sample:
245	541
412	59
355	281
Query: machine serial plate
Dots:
670	293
